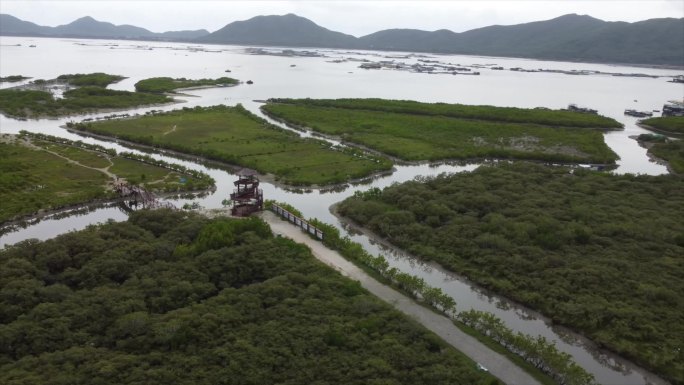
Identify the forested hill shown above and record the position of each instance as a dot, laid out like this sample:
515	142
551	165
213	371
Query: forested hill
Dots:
87	27
570	37
288	30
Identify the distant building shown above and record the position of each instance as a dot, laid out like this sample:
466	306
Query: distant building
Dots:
673	109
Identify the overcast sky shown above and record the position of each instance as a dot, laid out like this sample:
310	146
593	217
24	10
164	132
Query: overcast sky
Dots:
353	17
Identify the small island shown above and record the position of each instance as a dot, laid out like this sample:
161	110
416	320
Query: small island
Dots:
237	137
96	79
87	93
413	131
40	172
169	85
13	78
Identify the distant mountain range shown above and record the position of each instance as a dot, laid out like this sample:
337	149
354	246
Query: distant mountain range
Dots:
87	27
569	38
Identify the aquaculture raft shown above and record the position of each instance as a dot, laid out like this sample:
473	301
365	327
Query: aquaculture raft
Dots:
247	198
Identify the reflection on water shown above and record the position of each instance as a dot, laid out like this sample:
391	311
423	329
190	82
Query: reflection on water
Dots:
317	77
65	221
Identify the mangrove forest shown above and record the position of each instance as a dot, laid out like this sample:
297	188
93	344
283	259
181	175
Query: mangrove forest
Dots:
172	297
600	253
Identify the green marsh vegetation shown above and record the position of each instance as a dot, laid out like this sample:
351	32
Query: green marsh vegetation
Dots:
89	96
96	79
31	180
670	151
418	131
166	84
673	125
235	136
35	174
600	253
171	297
490	113
13	78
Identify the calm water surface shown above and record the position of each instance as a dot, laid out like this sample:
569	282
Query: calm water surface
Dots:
316	77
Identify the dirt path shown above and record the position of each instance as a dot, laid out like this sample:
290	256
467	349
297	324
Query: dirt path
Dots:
170	131
497	364
104	170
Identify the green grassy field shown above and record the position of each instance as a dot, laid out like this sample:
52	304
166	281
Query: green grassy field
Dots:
233	135
31	180
600	253
429	136
87	158
166	84
35	178
668	124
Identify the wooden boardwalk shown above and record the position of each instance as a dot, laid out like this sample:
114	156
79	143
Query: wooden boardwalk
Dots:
297	221
136	195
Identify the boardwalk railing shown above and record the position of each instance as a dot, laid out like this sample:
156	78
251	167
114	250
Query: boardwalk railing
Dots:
304	225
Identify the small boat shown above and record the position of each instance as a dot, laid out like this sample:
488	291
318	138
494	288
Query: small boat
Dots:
673	108
638	114
32	46
584	110
250	82
293	65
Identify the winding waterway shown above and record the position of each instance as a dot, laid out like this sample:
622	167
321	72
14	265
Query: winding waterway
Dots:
317	77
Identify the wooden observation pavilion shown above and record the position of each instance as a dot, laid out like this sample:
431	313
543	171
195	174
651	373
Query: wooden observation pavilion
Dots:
247	197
